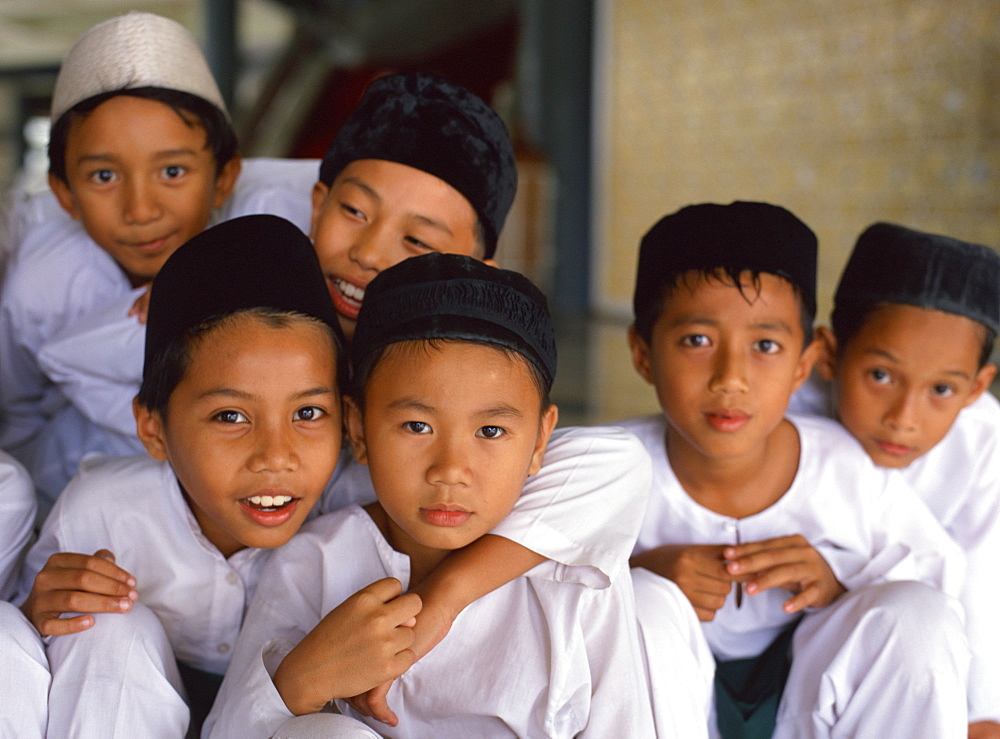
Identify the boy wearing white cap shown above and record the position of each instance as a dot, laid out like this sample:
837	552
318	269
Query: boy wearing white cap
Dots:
142	154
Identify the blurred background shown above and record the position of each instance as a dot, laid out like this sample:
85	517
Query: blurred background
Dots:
622	111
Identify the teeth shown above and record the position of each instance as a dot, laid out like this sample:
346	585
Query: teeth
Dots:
270	501
351	291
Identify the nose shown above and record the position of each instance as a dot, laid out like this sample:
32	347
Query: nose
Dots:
729	373
274	451
140	204
372	248
902	412
450	464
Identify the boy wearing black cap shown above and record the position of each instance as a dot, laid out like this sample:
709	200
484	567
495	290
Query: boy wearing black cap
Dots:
906	371
240	412
758	517
452	364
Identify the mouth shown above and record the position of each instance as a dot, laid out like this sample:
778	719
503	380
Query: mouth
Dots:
153	246
446	516
347	297
727	419
894	450
269	510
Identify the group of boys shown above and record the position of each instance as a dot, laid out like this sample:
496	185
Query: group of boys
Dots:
212	378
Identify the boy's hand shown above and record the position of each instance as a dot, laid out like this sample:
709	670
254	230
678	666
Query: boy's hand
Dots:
984	730
140	308
432	625
78	583
788	562
363	642
699	571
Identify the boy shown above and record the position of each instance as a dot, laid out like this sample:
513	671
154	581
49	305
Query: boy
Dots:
906	370
452	364
758	517
240	412
142	154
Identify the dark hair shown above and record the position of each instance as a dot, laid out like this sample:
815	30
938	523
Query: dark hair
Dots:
169	366
364	370
649	312
848	319
193	110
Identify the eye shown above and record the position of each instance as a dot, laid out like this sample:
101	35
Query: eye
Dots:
490	432
417	243
230	417
351	211
943	390
767	346
102	176
696	341
173	171
417	427
309	413
880	376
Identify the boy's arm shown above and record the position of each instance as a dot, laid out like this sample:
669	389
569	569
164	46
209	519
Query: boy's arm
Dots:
699	570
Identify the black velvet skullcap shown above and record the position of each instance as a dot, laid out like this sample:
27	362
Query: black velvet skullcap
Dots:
449	296
258	261
438	127
894	264
757	237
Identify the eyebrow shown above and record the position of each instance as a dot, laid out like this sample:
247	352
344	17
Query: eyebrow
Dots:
872	351
102	157
229	392
696	320
426	220
493	412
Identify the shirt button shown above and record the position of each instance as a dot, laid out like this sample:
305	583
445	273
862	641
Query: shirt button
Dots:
232	578
223	648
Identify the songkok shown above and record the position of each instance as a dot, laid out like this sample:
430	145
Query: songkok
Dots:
449	296
893	264
259	261
133	50
757	237
435	126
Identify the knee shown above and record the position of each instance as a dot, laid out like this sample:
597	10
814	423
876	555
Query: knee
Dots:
316	725
114	633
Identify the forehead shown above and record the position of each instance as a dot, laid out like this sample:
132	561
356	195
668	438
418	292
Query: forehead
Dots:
152	123
911	333
725	299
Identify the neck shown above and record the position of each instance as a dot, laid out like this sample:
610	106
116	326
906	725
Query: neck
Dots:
737	486
423	560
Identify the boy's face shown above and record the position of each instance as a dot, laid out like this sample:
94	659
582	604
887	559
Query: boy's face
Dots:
378	213
252	431
724	365
449	434
141	181
901	381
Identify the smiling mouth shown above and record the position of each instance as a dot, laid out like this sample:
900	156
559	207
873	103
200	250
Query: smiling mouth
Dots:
346	296
267	503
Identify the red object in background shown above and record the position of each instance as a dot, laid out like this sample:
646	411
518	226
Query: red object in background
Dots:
480	63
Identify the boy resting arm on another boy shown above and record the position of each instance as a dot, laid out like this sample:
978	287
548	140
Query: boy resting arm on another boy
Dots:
758	516
906	371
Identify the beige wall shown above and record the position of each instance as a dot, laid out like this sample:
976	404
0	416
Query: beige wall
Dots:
845	112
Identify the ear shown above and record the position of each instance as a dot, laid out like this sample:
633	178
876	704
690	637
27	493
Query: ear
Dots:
150	428
319	193
826	359
547	424
640	354
983	379
225	181
807	359
354	422
65	197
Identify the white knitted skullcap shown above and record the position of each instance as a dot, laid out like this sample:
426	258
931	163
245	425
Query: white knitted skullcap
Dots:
133	50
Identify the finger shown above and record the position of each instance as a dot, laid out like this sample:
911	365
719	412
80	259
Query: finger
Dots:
62	626
789	577
404	607
75	601
378	706
808	597
410	623
752	547
85	581
92	563
385	590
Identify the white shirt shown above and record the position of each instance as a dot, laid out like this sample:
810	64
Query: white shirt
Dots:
533	658
17	521
134	507
865	521
66	339
959	480
582	510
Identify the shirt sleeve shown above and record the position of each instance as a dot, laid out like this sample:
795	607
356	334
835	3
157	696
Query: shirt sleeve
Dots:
97	363
17	514
584	508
